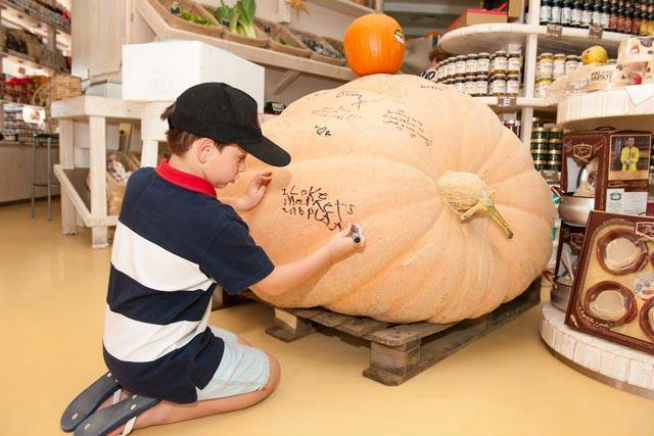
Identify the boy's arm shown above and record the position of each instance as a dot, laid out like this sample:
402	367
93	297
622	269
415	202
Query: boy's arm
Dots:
290	275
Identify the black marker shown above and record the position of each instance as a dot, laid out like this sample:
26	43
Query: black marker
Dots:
354	231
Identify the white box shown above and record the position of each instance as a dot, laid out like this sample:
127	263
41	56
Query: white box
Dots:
160	71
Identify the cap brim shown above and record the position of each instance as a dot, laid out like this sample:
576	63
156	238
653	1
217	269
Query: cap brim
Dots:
268	152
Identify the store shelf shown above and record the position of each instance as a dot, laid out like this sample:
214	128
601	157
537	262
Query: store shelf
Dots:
605	361
504	104
23	59
499	36
346	7
85	106
631	107
20	19
26	16
255	54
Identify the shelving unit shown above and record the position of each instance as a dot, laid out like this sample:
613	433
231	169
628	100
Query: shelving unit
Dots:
497	36
631	107
347	7
532	38
23	18
255	54
506	104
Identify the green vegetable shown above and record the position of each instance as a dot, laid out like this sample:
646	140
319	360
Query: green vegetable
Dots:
175	9
239	18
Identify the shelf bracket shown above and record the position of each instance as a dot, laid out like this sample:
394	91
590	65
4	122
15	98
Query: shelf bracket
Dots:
288	78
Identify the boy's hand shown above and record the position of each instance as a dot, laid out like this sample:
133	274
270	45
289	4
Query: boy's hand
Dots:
342	245
255	191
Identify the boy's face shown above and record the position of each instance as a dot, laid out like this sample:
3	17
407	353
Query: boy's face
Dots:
222	167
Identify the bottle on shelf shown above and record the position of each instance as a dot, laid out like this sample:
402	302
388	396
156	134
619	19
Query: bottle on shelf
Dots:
545	11
596	17
586	14
575	17
566	12
555	15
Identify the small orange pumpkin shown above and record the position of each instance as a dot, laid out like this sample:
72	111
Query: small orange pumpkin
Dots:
374	43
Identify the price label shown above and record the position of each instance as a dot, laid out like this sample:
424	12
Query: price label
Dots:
506	101
555	31
595	31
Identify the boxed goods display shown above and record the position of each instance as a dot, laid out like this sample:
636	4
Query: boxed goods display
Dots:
477	16
611	166
613	294
635	64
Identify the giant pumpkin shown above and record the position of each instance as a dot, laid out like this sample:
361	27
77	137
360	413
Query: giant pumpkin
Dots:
456	218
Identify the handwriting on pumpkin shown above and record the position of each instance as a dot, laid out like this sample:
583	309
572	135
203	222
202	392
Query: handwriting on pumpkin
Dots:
405	123
314	204
336	113
322	130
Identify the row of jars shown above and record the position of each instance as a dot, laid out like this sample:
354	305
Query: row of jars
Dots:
553	66
500	62
546	148
481	85
633	17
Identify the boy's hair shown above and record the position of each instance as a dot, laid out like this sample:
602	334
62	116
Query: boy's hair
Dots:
179	141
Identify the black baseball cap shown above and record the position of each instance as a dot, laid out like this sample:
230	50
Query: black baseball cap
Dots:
228	115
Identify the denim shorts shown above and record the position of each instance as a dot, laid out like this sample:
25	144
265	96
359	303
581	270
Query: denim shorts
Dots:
242	369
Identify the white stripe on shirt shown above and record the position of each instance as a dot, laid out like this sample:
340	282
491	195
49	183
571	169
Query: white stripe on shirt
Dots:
153	266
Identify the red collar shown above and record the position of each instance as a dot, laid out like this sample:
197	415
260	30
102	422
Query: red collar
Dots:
185	180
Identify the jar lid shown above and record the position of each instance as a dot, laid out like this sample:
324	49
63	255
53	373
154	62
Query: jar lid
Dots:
560	55
483	54
459	58
500	53
515	76
545	55
473	56
481	76
544	81
515	53
498	76
540	129
556	129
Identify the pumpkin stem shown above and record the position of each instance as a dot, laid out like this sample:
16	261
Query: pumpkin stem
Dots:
467	194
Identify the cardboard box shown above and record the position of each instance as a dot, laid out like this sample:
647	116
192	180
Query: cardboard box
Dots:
477	16
515	9
611	166
613	292
160	71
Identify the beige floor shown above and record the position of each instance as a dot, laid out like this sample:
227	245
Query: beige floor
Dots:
52	291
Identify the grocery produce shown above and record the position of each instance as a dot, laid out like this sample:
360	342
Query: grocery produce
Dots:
374	43
456	219
239	18
595	54
176	9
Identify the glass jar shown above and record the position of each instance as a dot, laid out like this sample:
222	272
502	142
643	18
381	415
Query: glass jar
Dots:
482	84
459	84
470	85
544	66
451	68
566	12
540	133
460	65
471	64
514	63
513	85
542	88
483	63
558	65
497	85
499	63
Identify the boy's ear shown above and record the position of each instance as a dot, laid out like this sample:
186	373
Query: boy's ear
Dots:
202	148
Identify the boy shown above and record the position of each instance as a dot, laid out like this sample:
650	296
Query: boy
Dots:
174	243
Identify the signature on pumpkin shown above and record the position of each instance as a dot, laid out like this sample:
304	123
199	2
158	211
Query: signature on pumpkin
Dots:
403	122
314	204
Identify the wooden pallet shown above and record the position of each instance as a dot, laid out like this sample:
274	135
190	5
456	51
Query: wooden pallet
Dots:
399	351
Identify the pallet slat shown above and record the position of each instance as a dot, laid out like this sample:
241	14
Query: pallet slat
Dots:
402	333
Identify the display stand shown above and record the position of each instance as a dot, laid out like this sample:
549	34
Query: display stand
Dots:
533	38
610	363
97	112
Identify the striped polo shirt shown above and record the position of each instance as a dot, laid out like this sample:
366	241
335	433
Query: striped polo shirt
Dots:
174	243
